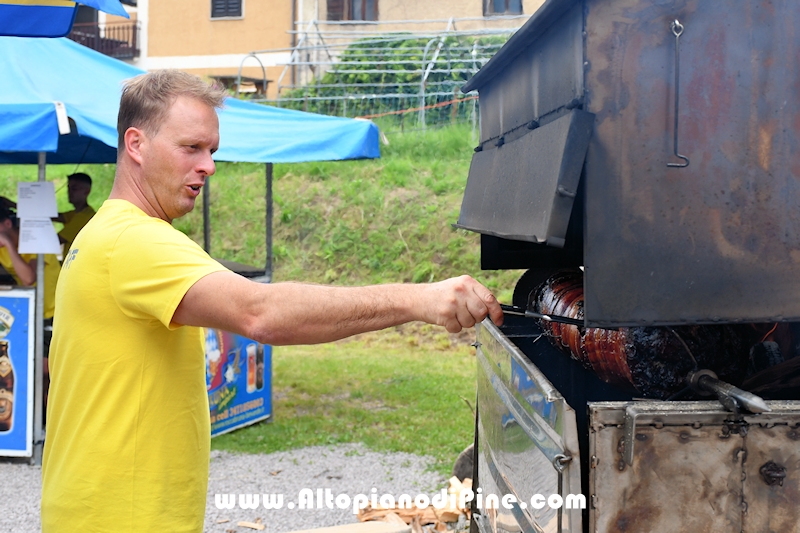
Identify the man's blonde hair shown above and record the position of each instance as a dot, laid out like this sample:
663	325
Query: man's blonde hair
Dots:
147	98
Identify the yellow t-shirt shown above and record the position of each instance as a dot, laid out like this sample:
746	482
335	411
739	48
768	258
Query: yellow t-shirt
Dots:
128	429
51	269
74	221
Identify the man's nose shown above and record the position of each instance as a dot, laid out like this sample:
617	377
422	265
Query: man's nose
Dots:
207	165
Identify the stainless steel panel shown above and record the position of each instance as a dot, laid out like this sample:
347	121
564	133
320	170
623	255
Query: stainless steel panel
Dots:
527	384
718	240
493	478
523	424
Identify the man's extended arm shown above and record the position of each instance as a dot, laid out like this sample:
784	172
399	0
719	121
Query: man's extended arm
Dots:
296	313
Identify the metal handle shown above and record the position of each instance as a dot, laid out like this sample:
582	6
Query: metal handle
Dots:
677	30
560	463
732	398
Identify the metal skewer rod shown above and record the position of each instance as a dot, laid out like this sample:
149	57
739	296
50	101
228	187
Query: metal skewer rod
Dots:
518	311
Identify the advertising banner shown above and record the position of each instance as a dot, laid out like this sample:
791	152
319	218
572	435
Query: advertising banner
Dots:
16	372
239	380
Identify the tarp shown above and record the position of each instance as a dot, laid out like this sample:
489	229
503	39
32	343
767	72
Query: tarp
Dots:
47	18
36	73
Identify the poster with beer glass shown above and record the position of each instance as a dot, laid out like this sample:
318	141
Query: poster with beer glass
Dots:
16	372
239	380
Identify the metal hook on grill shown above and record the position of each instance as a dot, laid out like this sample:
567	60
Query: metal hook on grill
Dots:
677	30
561	461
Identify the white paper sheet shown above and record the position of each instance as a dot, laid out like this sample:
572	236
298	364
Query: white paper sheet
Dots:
36	199
38	236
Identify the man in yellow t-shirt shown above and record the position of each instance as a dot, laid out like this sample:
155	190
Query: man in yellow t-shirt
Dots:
79	185
127	446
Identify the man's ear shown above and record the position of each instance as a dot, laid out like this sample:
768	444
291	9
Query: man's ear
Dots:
134	139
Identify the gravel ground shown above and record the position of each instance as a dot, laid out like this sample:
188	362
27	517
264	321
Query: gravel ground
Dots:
349	470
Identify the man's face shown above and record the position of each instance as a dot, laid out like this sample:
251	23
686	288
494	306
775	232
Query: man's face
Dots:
177	160
77	191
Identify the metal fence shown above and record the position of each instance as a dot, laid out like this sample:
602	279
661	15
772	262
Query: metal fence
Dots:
402	79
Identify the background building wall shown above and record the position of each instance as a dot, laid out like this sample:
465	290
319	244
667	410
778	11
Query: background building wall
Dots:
181	34
416	10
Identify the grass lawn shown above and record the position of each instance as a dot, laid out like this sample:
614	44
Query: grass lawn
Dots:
408	389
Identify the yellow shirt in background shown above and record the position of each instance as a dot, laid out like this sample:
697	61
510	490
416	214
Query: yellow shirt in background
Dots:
74	221
51	269
128	429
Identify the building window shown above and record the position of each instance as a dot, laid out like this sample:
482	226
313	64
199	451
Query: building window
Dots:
226	9
502	7
352	9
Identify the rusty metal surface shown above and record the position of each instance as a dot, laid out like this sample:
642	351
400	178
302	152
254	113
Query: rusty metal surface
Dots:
773	507
524	189
680	475
523	425
612	413
694	465
718	240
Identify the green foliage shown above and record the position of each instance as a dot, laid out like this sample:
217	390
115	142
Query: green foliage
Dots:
385	77
102	179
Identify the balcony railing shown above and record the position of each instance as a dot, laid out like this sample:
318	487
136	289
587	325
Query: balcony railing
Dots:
117	39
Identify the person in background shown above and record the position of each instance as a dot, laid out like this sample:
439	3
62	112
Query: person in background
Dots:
79	185
22	267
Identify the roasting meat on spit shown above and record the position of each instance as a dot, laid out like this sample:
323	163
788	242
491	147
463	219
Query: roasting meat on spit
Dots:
650	361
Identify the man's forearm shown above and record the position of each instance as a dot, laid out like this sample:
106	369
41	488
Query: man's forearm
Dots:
296	313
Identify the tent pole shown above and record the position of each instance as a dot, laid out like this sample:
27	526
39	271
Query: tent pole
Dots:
38	389
268	268
206	218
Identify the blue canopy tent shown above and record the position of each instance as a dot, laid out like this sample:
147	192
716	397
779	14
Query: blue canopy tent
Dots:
36	73
48	18
60	98
59	103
